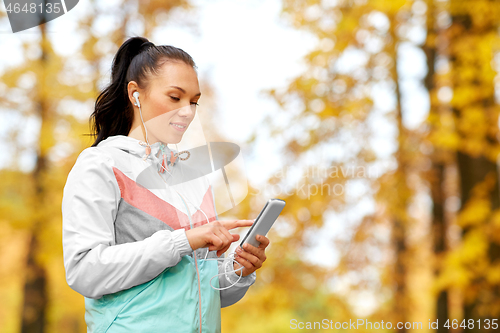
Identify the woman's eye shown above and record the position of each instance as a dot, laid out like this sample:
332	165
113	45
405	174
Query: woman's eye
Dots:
178	99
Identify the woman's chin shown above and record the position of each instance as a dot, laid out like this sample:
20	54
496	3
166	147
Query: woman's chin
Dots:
171	139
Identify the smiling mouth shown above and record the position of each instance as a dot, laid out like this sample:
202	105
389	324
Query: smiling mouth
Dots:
180	127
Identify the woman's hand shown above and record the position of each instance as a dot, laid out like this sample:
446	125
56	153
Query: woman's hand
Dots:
215	235
251	257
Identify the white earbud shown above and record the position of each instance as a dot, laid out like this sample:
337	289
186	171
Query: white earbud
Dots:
136	96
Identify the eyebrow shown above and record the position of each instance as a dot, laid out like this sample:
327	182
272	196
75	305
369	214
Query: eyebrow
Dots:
198	94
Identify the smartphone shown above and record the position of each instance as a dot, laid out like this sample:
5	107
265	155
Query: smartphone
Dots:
264	221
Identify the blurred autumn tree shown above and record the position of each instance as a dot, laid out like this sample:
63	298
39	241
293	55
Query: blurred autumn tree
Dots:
351	93
473	44
358	54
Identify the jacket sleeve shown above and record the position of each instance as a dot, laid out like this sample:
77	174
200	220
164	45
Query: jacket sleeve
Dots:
236	292
94	264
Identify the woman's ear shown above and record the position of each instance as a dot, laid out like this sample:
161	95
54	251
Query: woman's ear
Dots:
131	88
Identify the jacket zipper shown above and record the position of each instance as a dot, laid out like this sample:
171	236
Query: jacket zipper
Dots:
195	260
199	285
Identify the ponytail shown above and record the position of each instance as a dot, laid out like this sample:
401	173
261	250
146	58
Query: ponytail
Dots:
134	61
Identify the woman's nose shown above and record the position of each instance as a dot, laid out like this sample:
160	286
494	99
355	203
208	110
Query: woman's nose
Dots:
187	110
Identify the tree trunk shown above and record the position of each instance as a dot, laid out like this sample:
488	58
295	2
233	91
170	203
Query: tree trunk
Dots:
399	222
437	172
473	170
35	294
475	166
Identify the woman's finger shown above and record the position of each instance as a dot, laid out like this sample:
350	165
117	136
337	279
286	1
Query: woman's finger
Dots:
251	258
221	251
228	235
238	270
245	263
256	251
231	224
215	242
263	240
223	237
235	238
224	249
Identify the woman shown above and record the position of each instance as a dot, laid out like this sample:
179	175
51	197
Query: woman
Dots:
139	252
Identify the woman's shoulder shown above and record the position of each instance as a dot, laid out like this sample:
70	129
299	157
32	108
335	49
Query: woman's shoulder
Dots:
92	161
91	155
92	173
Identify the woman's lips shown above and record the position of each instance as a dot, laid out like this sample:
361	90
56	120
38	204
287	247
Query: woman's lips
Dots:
178	127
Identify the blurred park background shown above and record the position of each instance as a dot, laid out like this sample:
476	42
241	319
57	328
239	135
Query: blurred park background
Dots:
376	120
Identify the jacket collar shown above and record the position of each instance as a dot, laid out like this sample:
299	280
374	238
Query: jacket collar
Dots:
134	147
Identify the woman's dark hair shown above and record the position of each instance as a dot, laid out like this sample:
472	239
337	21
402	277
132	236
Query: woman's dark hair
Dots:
135	60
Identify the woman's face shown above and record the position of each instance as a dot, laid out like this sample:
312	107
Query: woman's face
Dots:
168	104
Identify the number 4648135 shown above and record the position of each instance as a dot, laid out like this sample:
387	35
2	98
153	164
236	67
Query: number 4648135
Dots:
33	8
469	323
